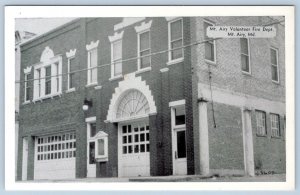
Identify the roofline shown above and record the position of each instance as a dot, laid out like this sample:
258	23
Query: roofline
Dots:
34	38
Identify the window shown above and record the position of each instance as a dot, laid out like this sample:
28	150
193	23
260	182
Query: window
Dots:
179	115
116	58
143	50
275	130
71	68
261	123
71	75
92	66
245	56
175	40
39	86
210	54
27	88
116	54
135	139
55	147
56	79
144	47
274	65
47	78
93	129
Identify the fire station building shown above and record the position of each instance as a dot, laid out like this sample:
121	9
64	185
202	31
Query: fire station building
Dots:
130	97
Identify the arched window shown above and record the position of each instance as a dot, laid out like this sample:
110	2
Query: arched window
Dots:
133	104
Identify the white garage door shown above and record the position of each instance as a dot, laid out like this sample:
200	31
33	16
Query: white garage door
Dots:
55	156
134	157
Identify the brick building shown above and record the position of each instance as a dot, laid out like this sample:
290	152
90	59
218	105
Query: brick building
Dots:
111	97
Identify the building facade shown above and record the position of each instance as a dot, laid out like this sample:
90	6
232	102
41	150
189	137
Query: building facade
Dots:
129	97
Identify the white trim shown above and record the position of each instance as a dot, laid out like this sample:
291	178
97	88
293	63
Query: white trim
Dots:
90	119
92	45
71	53
177	103
47	54
98	87
130	82
176	61
115	78
143	70
27	70
240	100
116	36
70	90
143	27
127	22
172	18
39	86
164	70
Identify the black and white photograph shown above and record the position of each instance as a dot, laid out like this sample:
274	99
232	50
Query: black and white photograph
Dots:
176	96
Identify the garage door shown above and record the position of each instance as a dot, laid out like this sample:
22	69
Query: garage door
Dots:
135	158
55	156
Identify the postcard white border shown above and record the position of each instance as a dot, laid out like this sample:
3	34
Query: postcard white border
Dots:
13	12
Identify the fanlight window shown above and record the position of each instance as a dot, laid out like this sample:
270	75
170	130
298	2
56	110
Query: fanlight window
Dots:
133	104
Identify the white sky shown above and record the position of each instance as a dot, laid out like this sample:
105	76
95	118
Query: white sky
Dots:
39	25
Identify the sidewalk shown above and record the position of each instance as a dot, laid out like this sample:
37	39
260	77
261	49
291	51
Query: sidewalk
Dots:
186	178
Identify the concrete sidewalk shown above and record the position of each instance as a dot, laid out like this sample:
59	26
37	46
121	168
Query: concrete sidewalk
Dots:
186	178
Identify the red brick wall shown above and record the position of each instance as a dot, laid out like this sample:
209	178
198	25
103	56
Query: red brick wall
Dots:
65	113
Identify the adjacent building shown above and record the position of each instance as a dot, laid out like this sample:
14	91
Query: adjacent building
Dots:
129	97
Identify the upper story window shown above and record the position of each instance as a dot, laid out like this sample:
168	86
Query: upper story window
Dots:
144	50
275	130
144	47
274	65
175	39
27	77
116	58
261	123
47	75
71	68
116	54
92	63
48	81
210	45
27	88
245	55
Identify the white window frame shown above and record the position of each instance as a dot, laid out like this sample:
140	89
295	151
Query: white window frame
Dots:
101	136
173	105
92	48
26	86
249	54
139	51
70	56
114	39
177	60
213	42
113	61
261	130
275	130
98	135
40	80
276	65
143	28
